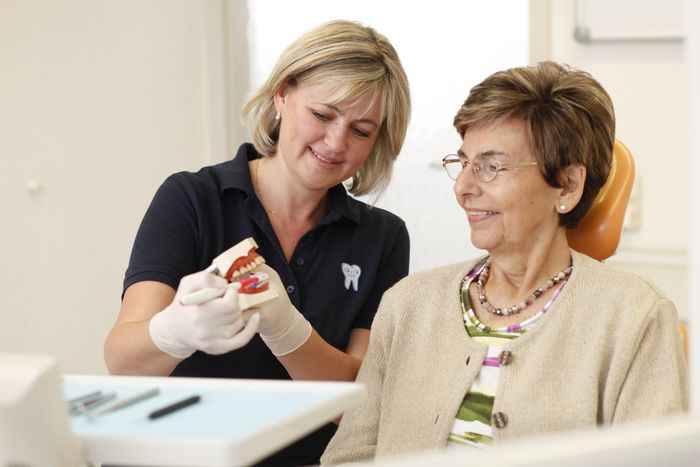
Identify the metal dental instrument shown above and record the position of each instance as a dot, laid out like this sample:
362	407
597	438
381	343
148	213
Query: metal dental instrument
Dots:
84	399
86	407
125	402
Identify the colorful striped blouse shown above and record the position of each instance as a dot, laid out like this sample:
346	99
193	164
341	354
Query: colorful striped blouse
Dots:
472	425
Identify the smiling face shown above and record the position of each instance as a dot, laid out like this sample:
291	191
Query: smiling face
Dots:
323	144
517	210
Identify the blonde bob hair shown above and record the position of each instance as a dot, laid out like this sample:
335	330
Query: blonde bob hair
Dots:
569	119
364	65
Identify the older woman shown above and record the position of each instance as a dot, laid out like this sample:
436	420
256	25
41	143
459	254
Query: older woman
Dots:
533	337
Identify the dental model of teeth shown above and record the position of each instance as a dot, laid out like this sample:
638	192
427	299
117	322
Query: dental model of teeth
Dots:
237	265
238	260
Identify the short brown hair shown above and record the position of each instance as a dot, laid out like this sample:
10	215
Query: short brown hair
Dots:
568	115
363	63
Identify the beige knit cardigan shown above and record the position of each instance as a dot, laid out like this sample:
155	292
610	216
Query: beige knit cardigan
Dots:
607	351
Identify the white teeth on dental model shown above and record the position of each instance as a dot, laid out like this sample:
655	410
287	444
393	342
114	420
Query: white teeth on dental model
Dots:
259	260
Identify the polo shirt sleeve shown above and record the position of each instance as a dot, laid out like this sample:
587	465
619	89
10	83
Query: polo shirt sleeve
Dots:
393	267
165	248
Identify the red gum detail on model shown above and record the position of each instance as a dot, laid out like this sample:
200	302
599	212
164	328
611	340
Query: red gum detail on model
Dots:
248	260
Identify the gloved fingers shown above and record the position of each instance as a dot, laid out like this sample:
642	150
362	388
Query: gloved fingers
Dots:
202	296
165	340
232	292
264	316
222	307
216	346
204	321
274	314
246	334
214	340
274	277
230	338
247	314
199	280
227	305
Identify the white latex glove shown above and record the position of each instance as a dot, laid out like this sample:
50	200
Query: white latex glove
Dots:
214	327
282	327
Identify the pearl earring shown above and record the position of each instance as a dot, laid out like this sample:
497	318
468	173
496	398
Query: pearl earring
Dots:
562	208
277	117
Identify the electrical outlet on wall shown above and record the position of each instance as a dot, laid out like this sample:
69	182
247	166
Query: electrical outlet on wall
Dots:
633	214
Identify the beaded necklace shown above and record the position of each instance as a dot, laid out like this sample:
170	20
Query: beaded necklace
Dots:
518	307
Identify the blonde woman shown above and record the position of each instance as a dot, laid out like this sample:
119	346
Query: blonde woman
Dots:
335	108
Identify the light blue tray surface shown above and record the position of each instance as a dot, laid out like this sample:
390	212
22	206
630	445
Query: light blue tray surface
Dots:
223	412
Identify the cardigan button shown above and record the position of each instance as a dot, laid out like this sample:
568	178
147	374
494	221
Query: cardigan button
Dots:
499	420
505	358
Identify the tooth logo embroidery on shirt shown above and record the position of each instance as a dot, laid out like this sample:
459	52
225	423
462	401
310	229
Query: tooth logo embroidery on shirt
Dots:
352	275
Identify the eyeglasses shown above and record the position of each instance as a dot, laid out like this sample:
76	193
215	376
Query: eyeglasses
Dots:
484	167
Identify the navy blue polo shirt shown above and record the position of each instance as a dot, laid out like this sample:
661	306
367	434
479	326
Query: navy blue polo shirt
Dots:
336	276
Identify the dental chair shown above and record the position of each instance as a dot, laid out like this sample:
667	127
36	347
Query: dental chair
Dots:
599	232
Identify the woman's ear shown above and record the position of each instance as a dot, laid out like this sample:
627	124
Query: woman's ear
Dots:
281	96
572	180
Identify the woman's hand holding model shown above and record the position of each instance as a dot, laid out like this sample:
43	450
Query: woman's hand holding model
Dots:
216	326
281	326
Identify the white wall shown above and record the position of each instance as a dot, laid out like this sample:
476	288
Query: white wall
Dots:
693	57
647	81
446	47
99	101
